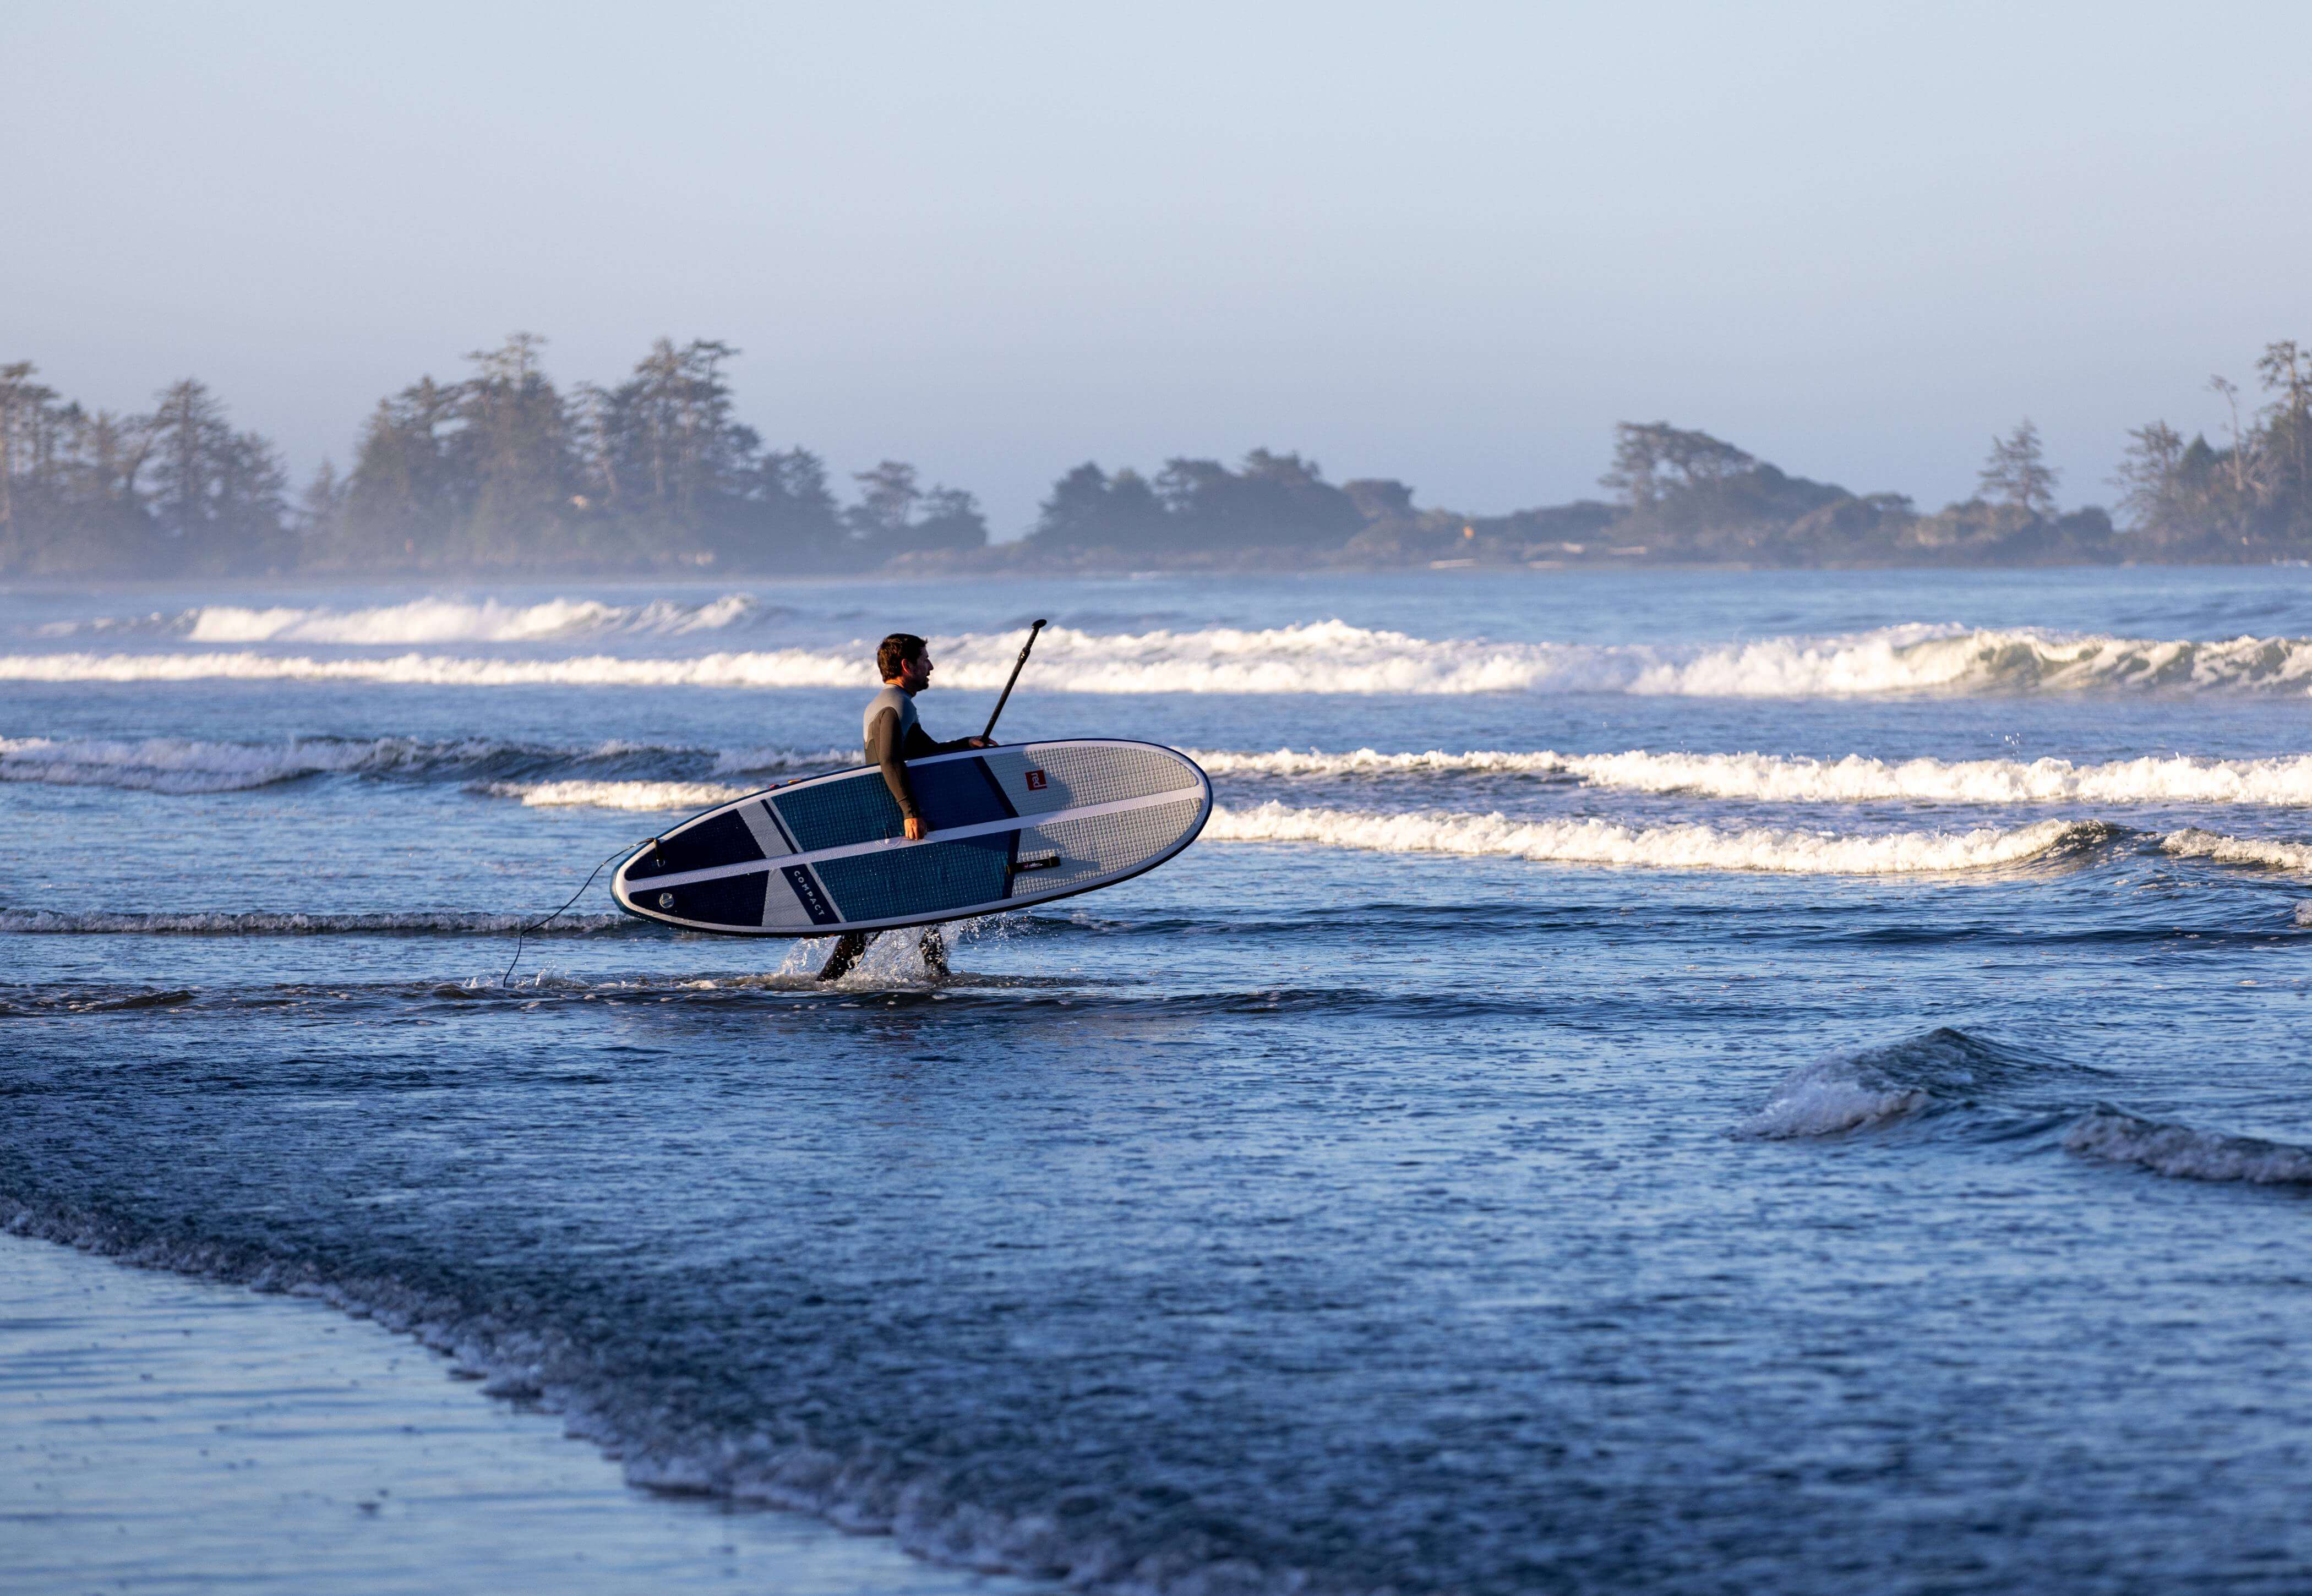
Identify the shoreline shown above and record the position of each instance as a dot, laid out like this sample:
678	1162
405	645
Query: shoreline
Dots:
173	1431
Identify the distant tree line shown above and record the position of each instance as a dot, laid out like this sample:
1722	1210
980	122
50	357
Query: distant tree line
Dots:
501	471
2249	497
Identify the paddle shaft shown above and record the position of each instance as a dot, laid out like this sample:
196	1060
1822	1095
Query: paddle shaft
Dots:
1018	666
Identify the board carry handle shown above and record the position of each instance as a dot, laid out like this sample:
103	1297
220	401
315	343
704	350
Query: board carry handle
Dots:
1017	666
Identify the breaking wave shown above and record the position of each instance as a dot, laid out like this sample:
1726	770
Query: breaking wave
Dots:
2192	842
653	796
1874	1086
1855	778
1845	1091
184	765
1947	1068
1669	847
430	619
2186	1154
1319	657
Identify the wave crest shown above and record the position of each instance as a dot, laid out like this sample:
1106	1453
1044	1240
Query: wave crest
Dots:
2192	842
2181	1153
1854	779
428	620
1846	1090
1669	847
648	796
1317	657
183	765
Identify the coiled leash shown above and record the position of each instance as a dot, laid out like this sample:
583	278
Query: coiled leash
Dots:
527	931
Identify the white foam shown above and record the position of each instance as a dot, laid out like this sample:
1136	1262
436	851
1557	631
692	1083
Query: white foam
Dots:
2192	842
740	762
1855	778
1846	1090
172	764
1833	1095
182	765
666	797
2186	1154
434	620
1668	847
1319	657
791	667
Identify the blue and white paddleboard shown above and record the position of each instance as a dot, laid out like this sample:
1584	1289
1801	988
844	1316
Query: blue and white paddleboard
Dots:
1009	827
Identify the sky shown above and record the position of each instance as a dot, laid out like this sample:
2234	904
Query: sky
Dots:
1450	244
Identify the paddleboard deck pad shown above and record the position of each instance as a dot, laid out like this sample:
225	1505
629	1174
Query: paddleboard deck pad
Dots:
1010	826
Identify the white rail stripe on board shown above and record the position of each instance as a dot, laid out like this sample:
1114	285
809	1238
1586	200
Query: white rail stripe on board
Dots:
1177	795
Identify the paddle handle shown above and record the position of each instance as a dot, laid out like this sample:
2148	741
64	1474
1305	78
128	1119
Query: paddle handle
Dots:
1017	666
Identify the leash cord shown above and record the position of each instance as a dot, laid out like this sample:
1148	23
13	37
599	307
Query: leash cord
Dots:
524	934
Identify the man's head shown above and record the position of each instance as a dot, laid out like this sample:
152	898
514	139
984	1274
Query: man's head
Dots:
904	662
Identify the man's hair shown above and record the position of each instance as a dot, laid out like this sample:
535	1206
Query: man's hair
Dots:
897	649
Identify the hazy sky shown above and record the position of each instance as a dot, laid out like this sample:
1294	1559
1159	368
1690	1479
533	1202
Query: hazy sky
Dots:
1451	244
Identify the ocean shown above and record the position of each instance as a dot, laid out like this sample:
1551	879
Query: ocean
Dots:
1657	1082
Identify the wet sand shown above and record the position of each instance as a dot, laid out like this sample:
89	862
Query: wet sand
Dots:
166	1435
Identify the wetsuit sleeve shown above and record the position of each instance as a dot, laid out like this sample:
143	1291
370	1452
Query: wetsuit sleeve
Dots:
921	745
883	747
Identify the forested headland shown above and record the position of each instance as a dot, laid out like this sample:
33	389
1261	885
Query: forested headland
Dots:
501	472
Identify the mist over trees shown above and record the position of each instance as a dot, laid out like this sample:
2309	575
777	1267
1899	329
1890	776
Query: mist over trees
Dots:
173	490
500	471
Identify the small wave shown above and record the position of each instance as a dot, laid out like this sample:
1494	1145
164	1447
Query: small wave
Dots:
2191	843
430	619
2185	1153
1855	778
1668	847
228	923
654	796
184	765
1317	657
1846	1090
22	1005
172	764
772	760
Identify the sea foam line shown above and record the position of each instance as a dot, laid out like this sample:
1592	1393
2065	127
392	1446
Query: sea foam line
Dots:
1327	657
2192	842
1855	778
184	765
659	796
428	620
1668	847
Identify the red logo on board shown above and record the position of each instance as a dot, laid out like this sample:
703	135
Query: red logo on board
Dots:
1035	780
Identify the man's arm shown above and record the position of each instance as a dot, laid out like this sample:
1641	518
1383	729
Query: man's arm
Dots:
883	747
921	745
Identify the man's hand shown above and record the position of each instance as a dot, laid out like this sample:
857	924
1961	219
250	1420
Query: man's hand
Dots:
980	742
914	829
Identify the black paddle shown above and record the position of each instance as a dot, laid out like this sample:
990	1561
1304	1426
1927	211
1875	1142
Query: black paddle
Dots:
1020	664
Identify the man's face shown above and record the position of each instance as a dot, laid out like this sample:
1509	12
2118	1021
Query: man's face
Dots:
916	674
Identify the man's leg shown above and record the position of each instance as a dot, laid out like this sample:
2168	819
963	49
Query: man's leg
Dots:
934	946
847	949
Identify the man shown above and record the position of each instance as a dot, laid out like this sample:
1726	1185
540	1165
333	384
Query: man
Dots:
894	734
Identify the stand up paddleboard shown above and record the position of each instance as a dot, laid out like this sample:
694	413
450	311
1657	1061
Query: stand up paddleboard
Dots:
1009	827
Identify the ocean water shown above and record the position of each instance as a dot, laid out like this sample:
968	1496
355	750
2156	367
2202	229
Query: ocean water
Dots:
1650	1082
